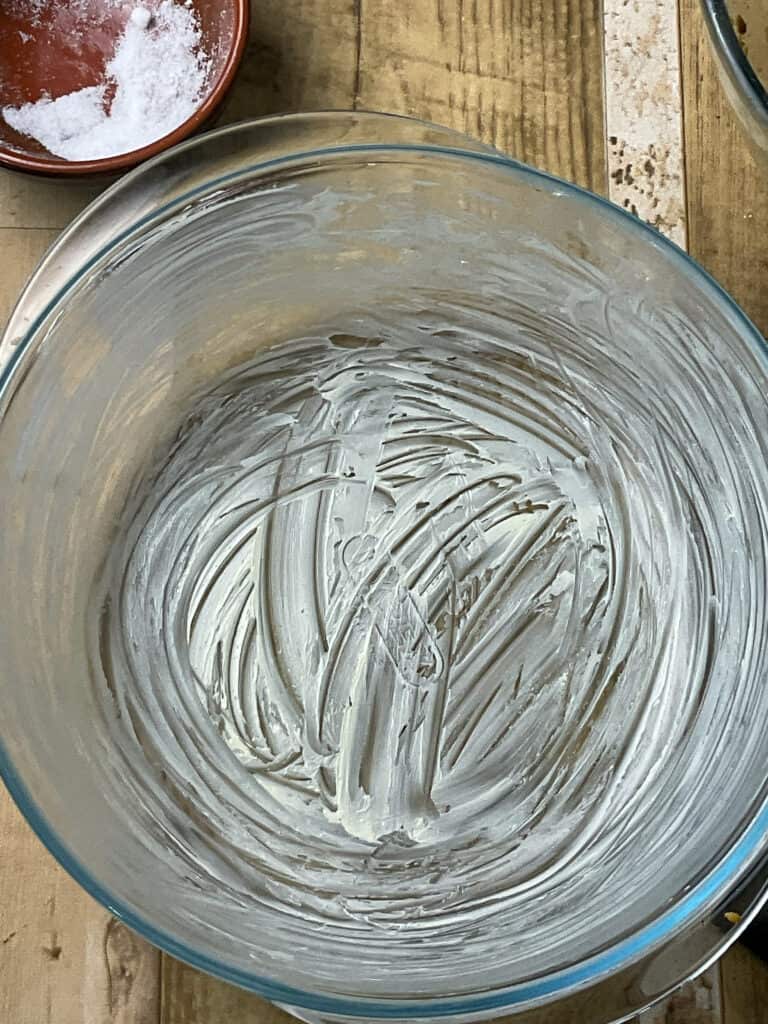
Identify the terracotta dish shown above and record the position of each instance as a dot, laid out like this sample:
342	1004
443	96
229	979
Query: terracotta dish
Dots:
45	51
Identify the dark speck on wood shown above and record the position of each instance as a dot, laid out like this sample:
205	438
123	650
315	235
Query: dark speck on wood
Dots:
53	952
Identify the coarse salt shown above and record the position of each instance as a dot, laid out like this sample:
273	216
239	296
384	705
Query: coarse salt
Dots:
36	11
157	76
141	16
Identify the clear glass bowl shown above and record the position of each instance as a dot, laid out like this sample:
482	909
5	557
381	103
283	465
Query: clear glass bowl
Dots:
521	759
741	81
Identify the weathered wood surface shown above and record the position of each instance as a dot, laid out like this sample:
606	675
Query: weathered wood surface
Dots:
727	191
568	85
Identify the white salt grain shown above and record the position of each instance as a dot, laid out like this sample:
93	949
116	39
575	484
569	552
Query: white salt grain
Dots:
141	17
158	74
35	11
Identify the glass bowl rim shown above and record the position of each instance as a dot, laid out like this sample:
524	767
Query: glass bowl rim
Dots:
735	62
727	874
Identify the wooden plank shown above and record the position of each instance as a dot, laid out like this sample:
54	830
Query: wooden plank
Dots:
727	195
745	987
27	202
525	76
643	111
21	250
698	1002
63	959
301	56
190	997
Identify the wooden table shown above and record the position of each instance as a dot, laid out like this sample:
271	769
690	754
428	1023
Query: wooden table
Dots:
609	95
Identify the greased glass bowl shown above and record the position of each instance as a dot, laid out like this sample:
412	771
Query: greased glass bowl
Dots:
383	531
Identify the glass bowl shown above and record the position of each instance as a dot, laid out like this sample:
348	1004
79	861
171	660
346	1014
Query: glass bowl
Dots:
743	85
386	525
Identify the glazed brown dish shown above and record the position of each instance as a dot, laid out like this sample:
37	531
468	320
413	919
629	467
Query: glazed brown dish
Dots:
50	49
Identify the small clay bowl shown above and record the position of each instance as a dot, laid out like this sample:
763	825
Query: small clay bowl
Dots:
53	47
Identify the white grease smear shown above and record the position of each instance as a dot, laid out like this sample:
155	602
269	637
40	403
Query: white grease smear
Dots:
418	635
401	590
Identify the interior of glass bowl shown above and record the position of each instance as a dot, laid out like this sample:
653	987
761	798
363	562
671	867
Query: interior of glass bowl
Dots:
386	534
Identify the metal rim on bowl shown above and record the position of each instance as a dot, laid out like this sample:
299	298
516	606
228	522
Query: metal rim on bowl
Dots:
636	970
51	166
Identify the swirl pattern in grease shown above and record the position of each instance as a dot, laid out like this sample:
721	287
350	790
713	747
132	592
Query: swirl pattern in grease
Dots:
429	614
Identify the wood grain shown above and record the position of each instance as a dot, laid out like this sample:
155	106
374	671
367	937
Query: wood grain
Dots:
190	997
525	76
745	988
727	193
63	959
27	202
20	251
302	55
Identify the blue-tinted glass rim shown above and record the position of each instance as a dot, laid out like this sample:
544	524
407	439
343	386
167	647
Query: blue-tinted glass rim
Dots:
697	901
